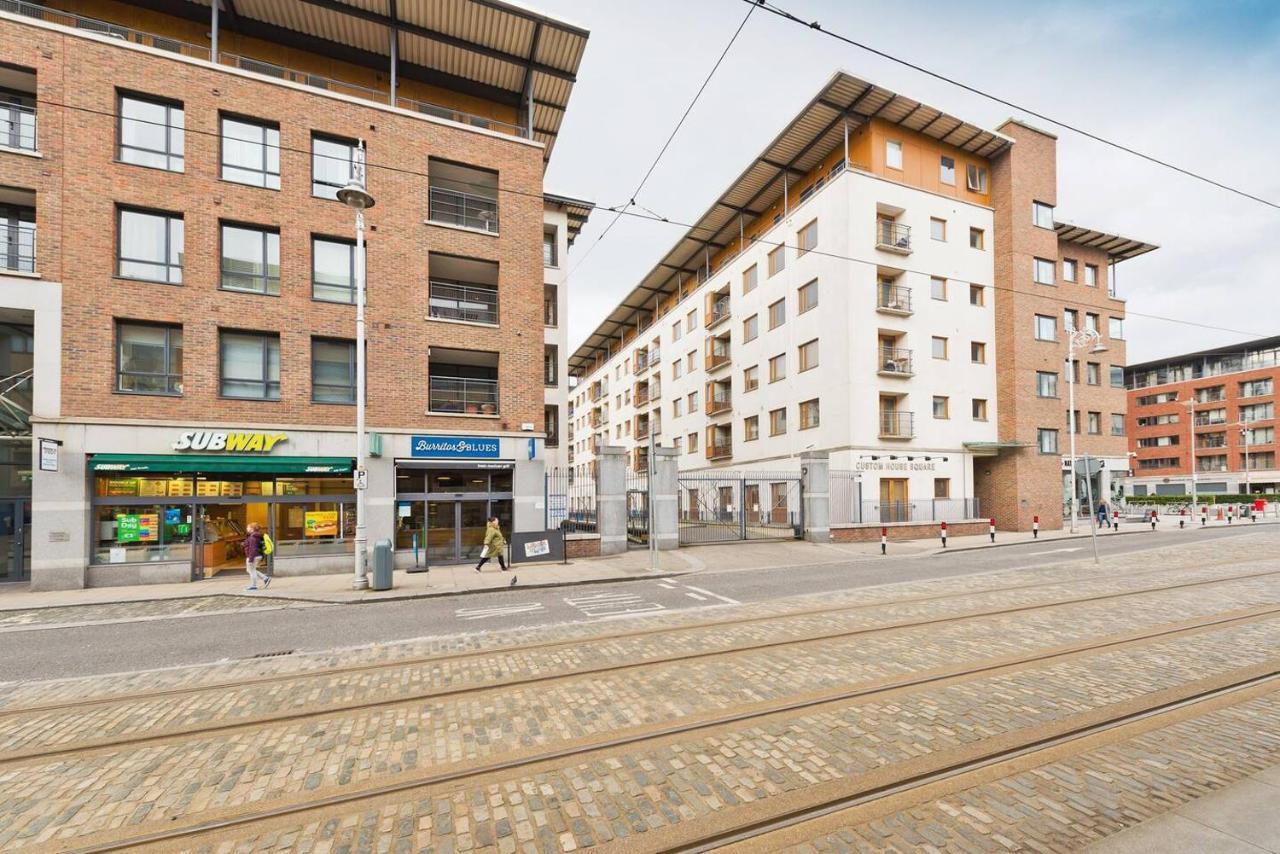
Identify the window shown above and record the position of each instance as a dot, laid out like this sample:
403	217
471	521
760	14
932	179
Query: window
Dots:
148	358
333	270
1257	412
333	371
1070	319
1046	384
1046	328
1091	321
893	154
677	369
675	331
750	328
1093	373
777	260
750	278
1091	275
1068	270
152	133
1094	420
941	406
249	365
150	246
939	347
1257	388
1043	271
942	487
1115	328
751	378
550	247
947	170
1047	440
977	178
777	314
331	165
1117	424
692	442
1042	215
977	239
676	443
677	407
937	228
693	402
808	414
977	352
979	409
778	368
550	365
807	238
250	260
938	288
1073	421
250	153
691	320
691	361
977	295
808	296
751	428
777	421
809	355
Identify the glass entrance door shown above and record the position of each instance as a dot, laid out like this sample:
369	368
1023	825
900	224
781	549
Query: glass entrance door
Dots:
15	540
455	529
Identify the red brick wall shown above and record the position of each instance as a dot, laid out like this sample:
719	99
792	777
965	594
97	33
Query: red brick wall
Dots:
582	547
79	183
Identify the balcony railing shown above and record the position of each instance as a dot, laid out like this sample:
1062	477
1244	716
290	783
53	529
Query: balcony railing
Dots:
598	391
655	355
641	395
451	300
453	115
640	362
893	299
463	395
465	209
894	361
719	403
1210	420
1215	443
642	430
1211	466
719	312
596	418
18	126
897	425
720	448
550	313
18	247
893	236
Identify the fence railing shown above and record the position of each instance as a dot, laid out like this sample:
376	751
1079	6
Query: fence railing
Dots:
897	425
571	501
893	298
18	248
894	360
893	235
80	22
18	126
847	508
463	395
465	209
451	300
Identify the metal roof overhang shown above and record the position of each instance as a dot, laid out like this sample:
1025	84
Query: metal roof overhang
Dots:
491	49
577	209
801	145
217	464
1117	247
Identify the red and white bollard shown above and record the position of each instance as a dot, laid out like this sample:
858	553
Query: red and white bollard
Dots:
1115	520
991	530
1182	519
944	534
1204	515
884	540
1231	513
1035	527
1153	520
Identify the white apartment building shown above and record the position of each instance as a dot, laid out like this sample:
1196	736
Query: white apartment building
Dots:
851	311
562	219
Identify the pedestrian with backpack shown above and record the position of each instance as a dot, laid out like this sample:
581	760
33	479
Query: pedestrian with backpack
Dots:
495	545
254	551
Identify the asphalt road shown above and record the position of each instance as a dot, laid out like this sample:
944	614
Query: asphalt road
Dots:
116	647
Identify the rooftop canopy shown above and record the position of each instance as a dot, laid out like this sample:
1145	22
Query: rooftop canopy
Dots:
577	209
1117	247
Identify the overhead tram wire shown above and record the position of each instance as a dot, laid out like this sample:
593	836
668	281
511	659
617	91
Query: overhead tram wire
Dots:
649	172
774	9
650	216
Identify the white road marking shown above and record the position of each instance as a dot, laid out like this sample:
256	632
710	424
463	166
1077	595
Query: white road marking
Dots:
1056	551
612	604
714	595
497	611
696	596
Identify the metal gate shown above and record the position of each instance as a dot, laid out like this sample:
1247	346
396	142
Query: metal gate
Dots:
721	507
637	510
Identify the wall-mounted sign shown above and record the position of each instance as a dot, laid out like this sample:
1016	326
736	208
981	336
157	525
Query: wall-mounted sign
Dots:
453	447
49	454
321	523
232	443
894	465
137	528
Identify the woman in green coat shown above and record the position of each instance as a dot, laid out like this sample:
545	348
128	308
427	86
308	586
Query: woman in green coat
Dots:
495	545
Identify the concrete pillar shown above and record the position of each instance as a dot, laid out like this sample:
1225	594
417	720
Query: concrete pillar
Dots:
663	499
815	480
529	513
611	499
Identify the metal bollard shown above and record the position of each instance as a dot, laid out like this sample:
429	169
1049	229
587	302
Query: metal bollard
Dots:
1035	527
1153	520
1182	519
1115	521
1204	515
884	539
991	530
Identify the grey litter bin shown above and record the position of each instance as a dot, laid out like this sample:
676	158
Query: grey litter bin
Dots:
381	565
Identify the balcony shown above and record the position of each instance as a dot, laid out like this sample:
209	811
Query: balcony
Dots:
719	399
550	306
897	424
470	303
892	236
468	210
717	352
655	355
893	299
598	391
1211	465
17	123
894	362
17	242
640	362
641	428
719	443
641	394
717	312
462	395
1210	420
640	460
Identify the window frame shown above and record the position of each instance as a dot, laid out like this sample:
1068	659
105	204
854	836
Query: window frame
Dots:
777	313
169	329
1040	265
265	339
933	288
979	348
943	160
810	424
933	347
752	323
803	244
335	139
354	287
942	229
1038	208
751	428
750	276
981	291
890	147
1053	321
351	366
804	304
170	105
750	384
1090	275
779	361
266	146
976	178
169	219
1072	265
1043	379
981	235
266	279
778	417
780	254
976	405
1048	432
946	407
801	357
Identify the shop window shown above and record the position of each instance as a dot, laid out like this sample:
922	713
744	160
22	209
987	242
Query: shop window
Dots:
331	165
333	371
250	153
148	358
249	365
333	270
149	246
314	528
141	533
250	259
143	486
152	132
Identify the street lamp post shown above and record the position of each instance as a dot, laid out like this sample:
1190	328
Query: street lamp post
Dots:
1244	438
355	196
1190	404
1077	339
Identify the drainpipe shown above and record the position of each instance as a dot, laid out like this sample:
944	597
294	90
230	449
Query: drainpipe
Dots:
213	41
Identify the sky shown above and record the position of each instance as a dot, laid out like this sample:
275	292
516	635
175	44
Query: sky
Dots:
1192	83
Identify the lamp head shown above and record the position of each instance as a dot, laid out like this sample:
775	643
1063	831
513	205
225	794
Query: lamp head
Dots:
355	196
1099	348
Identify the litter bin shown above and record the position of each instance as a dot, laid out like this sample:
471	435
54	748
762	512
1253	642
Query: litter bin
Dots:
382	555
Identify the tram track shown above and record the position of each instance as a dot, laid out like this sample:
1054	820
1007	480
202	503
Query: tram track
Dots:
295	809
154	736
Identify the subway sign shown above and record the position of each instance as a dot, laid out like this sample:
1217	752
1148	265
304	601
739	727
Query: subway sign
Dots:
453	447
230	442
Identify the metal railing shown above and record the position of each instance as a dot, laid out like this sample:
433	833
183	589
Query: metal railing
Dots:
598	391
571	501
465	209
458	116
893	235
463	395
17	126
1206	465
897	424
1210	421
893	298
719	312
642	430
720	449
641	395
450	300
717	357
640	362
18	248
655	355
1202	443
80	22
719	403
894	360
550	313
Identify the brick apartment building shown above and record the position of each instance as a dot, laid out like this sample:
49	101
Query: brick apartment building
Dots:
1216	405
189	275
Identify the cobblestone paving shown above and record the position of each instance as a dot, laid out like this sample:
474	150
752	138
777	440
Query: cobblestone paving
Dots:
1199	560
108	611
1064	806
891	653
149	785
614	798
